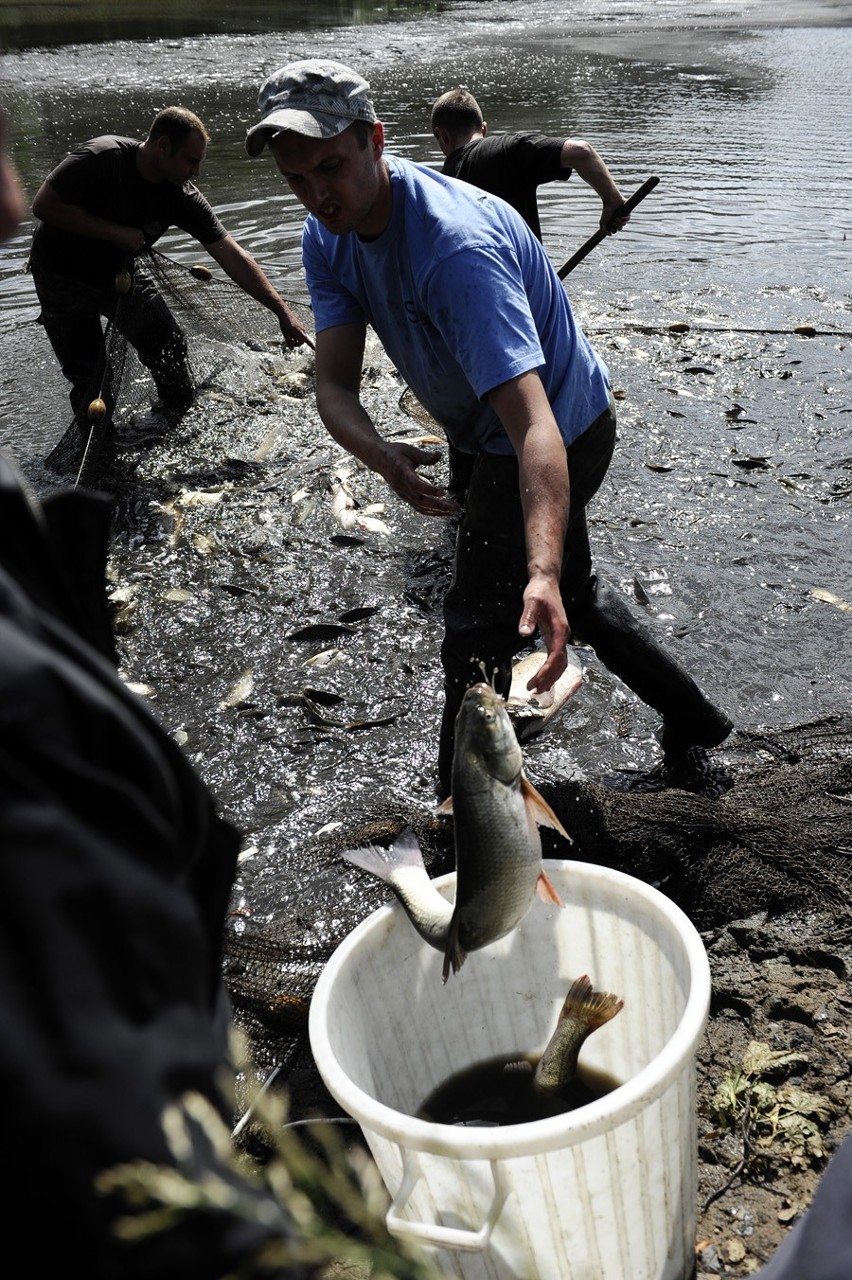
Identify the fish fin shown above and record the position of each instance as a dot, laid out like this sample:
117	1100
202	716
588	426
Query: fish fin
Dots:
539	810
519	1068
446	809
593	1008
546	890
404	852
454	955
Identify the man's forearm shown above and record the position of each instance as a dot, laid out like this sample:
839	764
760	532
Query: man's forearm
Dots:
544	488
347	421
241	267
525	412
523	408
49	208
245	272
589	165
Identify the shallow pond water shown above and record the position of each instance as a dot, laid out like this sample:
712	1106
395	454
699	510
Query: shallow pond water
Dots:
727	506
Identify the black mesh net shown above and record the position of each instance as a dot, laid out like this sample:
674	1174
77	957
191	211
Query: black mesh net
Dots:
172	329
779	838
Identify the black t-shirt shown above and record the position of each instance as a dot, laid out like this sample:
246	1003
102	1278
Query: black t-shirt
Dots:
101	176
512	166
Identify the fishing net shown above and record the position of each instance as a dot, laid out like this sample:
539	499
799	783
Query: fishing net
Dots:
779	838
171	330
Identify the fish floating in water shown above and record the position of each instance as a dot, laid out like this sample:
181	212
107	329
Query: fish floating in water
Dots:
497	813
240	692
582	1013
349	513
532	712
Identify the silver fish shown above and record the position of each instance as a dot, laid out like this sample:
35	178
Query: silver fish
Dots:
582	1013
497	813
531	712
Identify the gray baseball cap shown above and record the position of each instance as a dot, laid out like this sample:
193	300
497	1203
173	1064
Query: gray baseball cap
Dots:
317	98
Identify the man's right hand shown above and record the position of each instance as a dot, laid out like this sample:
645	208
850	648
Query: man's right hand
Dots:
399	468
130	239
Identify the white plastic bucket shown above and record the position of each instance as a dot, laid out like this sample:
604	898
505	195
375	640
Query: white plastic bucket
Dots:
605	1192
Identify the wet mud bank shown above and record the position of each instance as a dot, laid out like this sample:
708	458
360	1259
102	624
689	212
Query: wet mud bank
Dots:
280	612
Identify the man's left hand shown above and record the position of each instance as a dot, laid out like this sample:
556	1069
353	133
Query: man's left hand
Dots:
543	608
612	220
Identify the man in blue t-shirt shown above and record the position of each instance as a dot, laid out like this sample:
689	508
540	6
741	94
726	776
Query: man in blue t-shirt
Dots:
469	308
106	202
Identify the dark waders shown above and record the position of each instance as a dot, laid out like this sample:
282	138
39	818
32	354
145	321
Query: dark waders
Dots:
483	604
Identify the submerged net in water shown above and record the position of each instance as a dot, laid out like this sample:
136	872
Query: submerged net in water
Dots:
171	330
779	838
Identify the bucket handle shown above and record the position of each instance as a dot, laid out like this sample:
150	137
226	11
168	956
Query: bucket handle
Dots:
429	1232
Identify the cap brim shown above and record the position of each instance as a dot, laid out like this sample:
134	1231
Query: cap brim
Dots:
308	123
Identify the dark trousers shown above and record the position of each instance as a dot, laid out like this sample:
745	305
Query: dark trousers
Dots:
482	607
72	314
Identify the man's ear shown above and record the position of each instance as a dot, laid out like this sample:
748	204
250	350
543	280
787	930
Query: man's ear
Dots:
484	128
378	138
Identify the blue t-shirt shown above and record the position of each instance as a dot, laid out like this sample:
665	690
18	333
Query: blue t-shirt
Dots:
463	298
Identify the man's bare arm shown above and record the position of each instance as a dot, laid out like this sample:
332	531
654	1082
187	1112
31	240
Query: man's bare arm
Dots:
50	208
525	412
244	271
340	358
589	165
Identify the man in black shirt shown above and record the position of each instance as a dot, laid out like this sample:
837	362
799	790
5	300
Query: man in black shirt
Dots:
116	870
110	199
514	165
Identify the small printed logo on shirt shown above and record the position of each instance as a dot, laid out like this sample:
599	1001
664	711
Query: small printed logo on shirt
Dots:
415	316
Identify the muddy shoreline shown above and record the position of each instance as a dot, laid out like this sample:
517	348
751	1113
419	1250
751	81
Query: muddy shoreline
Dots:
296	661
231	577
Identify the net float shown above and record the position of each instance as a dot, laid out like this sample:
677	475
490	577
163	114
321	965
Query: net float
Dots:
123	282
97	409
201	273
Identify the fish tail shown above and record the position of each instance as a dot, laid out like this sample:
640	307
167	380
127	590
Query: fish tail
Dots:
582	1013
454	955
588	1007
404	852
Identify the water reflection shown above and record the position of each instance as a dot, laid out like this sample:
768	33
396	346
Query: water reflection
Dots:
741	126
21	27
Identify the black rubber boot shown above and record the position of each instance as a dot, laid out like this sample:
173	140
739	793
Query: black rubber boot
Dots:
446	746
601	618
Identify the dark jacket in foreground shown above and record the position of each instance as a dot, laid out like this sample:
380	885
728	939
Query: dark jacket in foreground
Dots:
115	873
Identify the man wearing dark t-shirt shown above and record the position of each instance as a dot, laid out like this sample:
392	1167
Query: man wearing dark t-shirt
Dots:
514	165
117	868
110	199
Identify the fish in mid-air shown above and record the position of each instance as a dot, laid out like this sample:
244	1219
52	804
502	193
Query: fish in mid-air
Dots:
496	813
